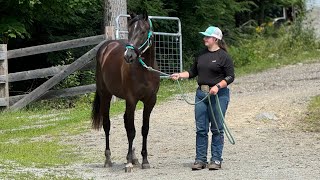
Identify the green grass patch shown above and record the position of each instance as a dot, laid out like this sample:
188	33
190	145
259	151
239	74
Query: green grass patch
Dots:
39	153
29	175
29	124
312	120
34	138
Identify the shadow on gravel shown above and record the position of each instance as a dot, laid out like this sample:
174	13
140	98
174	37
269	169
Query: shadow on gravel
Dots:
115	167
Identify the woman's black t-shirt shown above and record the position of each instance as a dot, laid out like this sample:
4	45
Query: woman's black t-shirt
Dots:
212	67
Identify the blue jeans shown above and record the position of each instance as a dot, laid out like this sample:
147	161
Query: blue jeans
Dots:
204	118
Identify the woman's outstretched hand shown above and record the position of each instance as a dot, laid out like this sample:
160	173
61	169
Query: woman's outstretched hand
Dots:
175	76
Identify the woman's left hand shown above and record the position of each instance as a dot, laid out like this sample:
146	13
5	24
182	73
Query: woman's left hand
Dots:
175	76
214	90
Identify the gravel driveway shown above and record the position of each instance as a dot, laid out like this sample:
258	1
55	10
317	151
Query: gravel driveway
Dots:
265	149
277	148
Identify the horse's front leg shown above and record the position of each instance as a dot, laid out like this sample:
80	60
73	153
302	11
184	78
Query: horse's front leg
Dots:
131	132
148	106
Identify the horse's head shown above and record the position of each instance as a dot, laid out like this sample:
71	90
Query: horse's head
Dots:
139	37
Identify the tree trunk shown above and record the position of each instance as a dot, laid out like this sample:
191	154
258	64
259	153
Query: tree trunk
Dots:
261	17
112	9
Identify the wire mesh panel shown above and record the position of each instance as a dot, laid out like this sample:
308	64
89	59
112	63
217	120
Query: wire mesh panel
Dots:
167	39
168	53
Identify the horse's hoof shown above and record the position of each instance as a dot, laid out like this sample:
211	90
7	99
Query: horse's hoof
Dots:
135	161
145	166
107	164
128	168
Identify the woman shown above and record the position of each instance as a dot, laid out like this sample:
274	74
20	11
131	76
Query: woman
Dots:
215	71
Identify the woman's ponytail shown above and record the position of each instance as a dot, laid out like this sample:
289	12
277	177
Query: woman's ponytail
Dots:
222	44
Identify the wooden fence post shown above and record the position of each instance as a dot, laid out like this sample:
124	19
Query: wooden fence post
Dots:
109	32
4	86
112	9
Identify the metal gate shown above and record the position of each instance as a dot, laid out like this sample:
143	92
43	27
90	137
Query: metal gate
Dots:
168	45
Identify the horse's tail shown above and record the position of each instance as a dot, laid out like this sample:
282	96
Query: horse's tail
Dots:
95	115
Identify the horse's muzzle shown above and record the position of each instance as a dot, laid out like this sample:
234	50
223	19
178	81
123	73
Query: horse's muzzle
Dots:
130	55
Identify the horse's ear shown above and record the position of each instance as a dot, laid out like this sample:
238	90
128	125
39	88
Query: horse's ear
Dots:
132	15
145	15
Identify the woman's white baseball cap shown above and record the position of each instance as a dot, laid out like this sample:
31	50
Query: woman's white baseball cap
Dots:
213	31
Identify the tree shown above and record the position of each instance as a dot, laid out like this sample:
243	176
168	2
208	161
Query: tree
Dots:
113	8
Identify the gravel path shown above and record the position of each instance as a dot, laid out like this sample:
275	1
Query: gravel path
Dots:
264	149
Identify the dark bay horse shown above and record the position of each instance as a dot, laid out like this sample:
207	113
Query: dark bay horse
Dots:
119	73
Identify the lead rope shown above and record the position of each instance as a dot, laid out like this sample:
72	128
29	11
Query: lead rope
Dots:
225	127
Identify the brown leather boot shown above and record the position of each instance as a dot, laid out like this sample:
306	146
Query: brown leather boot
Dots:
214	165
198	165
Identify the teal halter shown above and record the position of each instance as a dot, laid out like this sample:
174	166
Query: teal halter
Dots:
150	33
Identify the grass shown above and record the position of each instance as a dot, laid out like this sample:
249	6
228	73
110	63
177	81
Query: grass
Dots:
33	138
29	153
312	120
28	175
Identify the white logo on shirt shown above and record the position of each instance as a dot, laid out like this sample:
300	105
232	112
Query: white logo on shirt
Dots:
214	61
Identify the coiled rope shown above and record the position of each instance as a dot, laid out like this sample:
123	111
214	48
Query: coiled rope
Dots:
225	127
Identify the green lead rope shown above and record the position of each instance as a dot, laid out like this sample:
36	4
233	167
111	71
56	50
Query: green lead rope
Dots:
225	127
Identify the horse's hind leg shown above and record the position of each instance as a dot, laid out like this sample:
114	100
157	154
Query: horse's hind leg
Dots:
148	106
105	108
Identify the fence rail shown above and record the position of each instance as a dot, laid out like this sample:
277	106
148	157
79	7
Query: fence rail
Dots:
55	46
58	93
40	73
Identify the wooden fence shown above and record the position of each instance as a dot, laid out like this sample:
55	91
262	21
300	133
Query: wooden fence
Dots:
58	73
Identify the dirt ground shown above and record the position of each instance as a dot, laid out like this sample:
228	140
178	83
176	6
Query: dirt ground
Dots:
275	148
